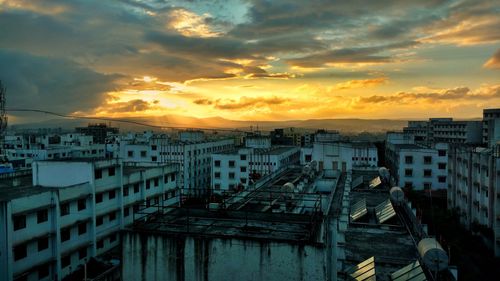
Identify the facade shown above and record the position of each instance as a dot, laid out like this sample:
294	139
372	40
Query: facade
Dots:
445	130
292	136
416	166
51	224
192	156
474	188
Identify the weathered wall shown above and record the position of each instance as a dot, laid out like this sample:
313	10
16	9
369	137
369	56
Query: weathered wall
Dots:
155	257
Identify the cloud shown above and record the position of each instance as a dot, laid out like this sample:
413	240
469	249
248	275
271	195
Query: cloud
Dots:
136	105
494	61
243	102
352	84
190	24
52	84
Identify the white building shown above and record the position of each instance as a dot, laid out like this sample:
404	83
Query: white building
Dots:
241	167
69	211
341	156
193	157
445	130
416	166
474	188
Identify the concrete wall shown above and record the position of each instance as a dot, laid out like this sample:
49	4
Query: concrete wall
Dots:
153	257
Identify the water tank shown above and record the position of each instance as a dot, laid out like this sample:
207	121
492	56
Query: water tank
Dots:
384	174
289	187
397	194
433	255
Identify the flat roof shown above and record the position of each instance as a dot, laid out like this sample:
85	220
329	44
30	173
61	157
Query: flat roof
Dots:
274	150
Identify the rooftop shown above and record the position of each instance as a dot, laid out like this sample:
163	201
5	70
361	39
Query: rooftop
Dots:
274	150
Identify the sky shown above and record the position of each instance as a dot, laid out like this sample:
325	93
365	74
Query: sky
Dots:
252	59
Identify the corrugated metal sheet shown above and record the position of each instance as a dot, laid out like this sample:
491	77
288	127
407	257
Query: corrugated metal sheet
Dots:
365	271
358	210
384	211
411	272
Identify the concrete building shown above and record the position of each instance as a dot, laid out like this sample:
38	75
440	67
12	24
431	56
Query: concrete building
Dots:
272	232
416	166
66	211
191	152
491	126
292	136
445	130
474	189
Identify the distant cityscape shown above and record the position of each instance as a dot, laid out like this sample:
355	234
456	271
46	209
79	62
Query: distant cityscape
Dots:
286	204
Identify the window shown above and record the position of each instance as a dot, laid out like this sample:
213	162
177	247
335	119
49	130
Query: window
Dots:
217	186
65	234
148	184
43	271
43	243
100	244
172	177
427	185
427	160
99	220
112	216
409	159
111	171
442	178
243	157
42	216
231	175
154	147
217	175
64	209
156	181
98	174
442	166
82	228
82	204
243	180
98	198
408	172
19	222
442	152
130	153
136	188
231	164
217	163
20	252
82	253
112	194
154	158
126	212
65	261
243	169
112	238
125	191
427	173
143	153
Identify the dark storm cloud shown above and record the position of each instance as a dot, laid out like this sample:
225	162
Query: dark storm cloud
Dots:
52	84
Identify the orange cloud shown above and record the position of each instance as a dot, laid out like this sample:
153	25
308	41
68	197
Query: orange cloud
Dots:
494	61
352	84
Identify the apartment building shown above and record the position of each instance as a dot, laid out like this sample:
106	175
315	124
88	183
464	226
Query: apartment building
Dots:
491	126
416	166
445	130
474	188
191	152
240	167
66	211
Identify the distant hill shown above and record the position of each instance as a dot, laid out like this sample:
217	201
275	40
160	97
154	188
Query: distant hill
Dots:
343	125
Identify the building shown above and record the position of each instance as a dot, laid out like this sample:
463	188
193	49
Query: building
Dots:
416	166
192	153
236	169
491	126
292	136
66	211
276	231
474	189
445	130
99	131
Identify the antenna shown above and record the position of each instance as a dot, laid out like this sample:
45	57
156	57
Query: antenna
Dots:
3	116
